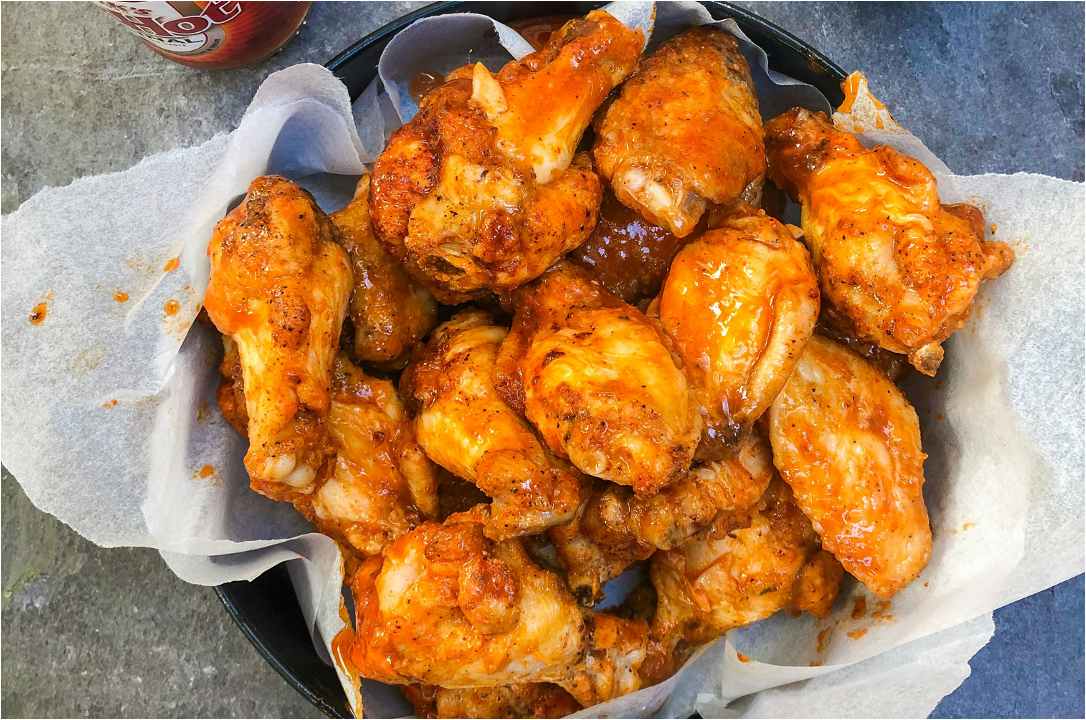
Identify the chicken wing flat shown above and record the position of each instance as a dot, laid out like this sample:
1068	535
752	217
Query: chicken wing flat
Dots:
481	190
279	287
626	254
599	382
848	442
706	588
380	484
447	606
389	311
529	700
684	131
466	427
739	303
901	267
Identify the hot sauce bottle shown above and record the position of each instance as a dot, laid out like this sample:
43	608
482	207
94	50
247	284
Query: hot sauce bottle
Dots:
212	35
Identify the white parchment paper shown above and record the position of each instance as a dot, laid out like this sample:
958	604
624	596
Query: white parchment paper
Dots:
111	423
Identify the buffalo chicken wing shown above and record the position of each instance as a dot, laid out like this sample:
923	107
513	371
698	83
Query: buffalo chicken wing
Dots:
900	267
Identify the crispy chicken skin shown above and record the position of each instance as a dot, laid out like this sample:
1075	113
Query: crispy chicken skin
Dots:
279	287
719	493
481	189
466	427
615	528
901	268
389	311
591	552
705	588
848	442
379	485
529	700
376	483
599	382
446	606
739	303
684	131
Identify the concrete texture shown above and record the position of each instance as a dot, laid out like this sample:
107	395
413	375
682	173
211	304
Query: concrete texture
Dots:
95	632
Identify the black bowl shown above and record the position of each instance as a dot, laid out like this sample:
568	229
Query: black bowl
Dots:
266	609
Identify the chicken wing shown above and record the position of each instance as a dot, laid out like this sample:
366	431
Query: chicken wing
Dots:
615	528
598	381
465	427
389	311
739	303
626	254
901	267
848	442
684	131
591	552
481	190
720	493
706	588
380	484
279	287
530	700
446	606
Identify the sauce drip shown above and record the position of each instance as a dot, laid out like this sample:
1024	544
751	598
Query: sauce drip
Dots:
423	83
206	471
37	315
537	31
120	296
173	264
172	307
627	254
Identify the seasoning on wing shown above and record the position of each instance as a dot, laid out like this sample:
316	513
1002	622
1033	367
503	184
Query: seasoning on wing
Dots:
848	442
446	606
900	267
684	131
481	189
278	288
464	425
739	303
527	700
598	381
389	311
707	587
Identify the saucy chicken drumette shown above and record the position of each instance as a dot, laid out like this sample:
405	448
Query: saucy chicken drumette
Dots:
481	189
323	435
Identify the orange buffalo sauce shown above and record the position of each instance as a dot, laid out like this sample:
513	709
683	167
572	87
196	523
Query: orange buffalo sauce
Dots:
37	315
423	83
537	31
120	296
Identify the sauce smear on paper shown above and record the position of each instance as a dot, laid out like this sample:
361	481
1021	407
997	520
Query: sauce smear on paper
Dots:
120	296
537	31
172	307
37	315
423	83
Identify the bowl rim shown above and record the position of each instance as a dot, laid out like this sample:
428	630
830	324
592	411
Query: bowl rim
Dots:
231	595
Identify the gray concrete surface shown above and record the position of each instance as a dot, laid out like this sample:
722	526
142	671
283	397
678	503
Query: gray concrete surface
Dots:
95	632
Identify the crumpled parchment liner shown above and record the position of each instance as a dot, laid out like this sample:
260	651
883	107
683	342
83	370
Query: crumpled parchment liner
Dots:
1002	424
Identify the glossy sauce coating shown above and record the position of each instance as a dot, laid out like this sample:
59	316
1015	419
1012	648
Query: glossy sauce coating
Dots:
684	132
739	303
848	443
627	254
